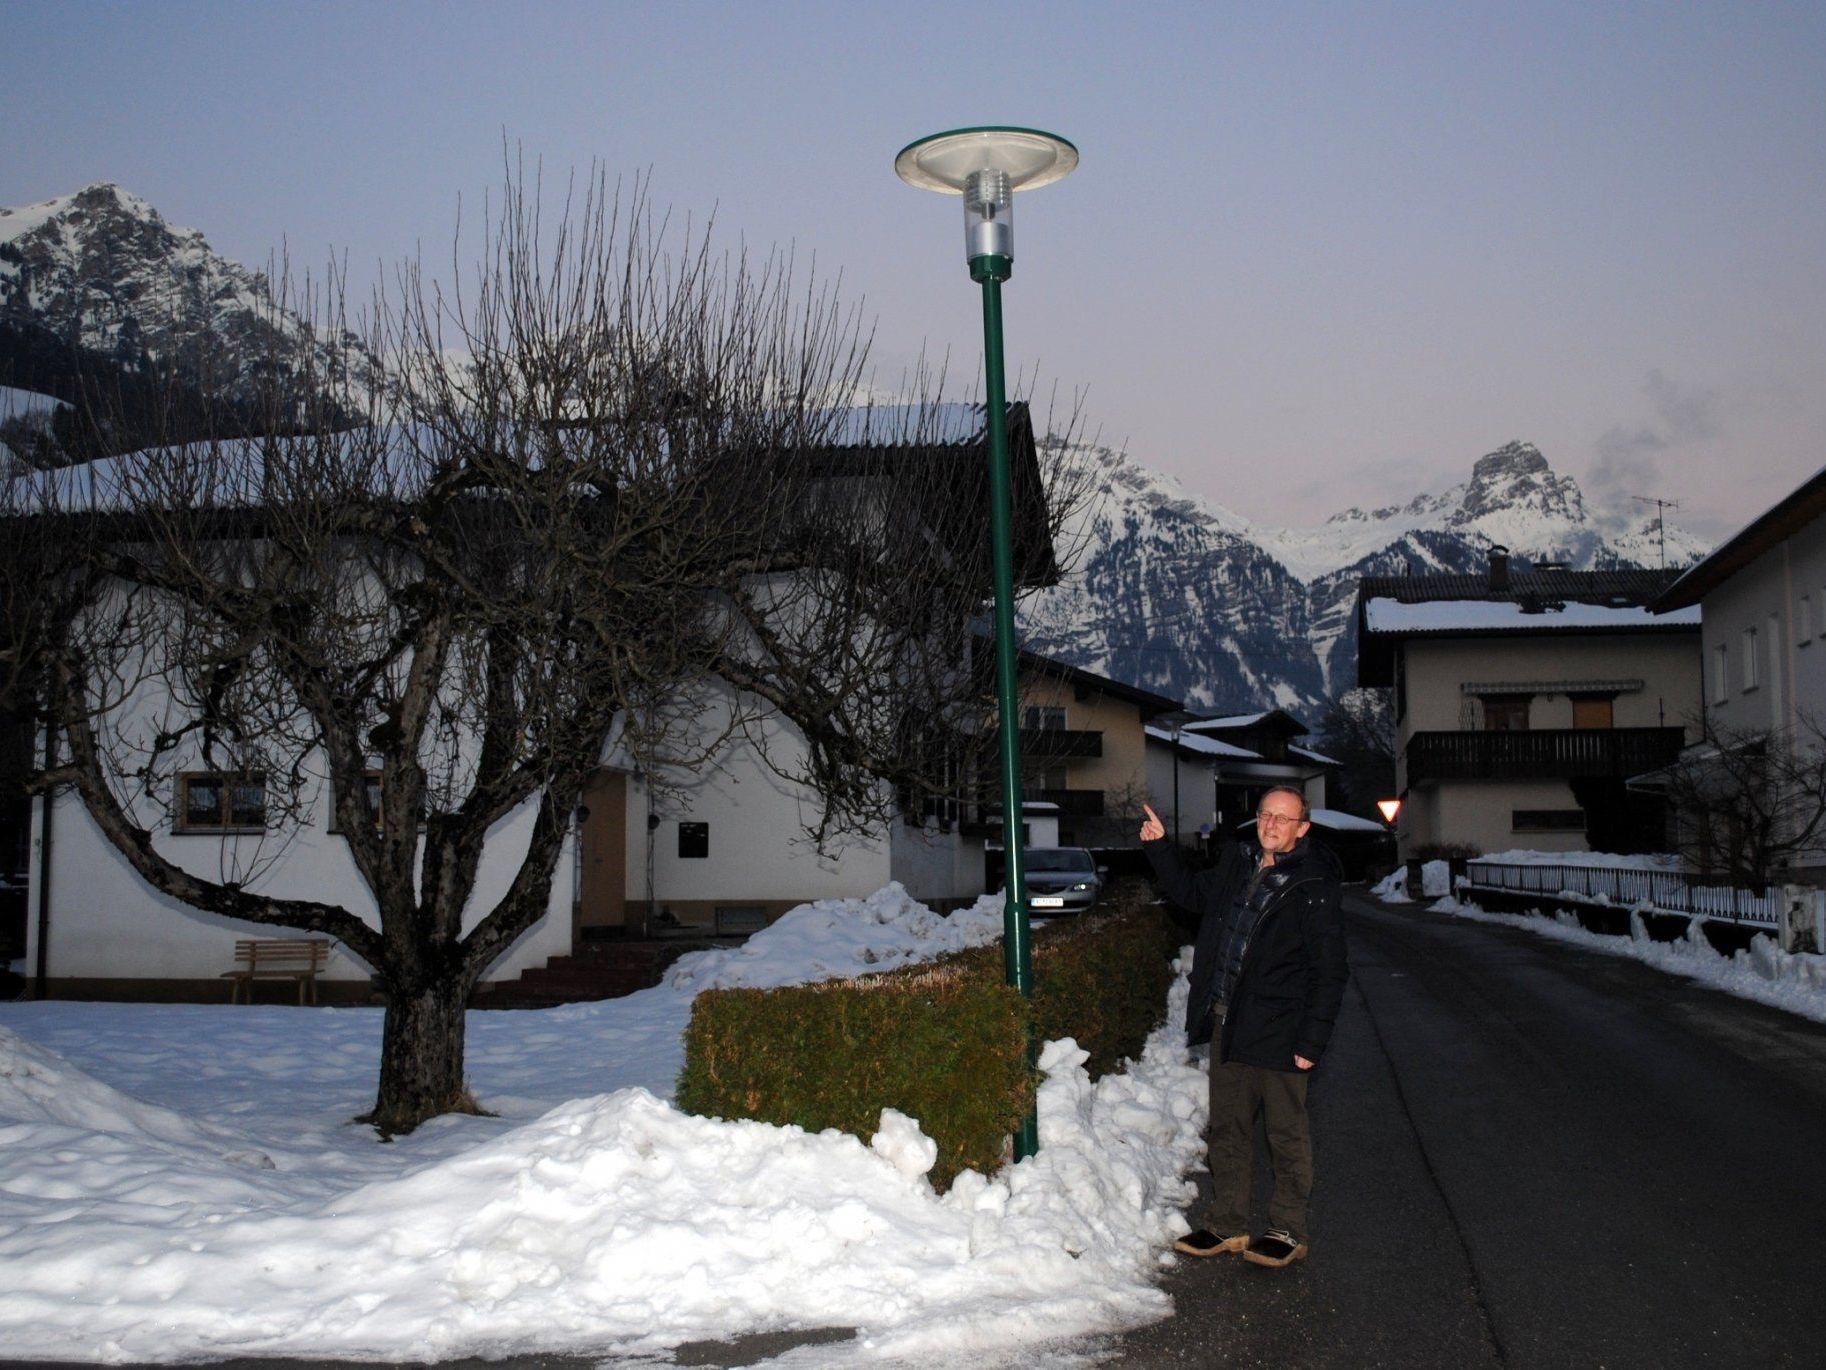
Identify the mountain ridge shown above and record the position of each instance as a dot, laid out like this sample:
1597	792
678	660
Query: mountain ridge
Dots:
1172	592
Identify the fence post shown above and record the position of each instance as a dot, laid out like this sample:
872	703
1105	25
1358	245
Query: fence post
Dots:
1798	925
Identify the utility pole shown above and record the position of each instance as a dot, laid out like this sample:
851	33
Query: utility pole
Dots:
1661	508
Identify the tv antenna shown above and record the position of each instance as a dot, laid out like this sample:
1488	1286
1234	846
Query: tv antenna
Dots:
1661	508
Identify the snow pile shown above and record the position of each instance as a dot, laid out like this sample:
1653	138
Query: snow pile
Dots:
1795	981
1653	861
837	938
1435	879
179	1182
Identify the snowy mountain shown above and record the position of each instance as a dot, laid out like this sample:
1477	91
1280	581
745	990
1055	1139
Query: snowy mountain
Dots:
101	271
1170	591
1179	595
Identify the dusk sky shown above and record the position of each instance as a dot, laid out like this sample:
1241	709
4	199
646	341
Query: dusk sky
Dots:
1315	255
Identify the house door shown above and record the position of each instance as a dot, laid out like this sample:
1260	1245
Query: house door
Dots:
602	900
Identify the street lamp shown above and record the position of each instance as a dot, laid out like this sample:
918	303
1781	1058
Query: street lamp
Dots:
986	166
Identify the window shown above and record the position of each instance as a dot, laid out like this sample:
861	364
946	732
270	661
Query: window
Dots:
1040	776
1506	713
1750	662
1044	716
1593	711
1547	820
215	801
1803	621
1721	673
693	841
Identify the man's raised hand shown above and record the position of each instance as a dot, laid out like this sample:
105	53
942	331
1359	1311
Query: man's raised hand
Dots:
1152	829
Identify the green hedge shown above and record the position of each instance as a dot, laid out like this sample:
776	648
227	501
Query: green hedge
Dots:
945	1043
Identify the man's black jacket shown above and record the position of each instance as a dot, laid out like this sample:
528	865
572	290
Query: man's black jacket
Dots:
1291	982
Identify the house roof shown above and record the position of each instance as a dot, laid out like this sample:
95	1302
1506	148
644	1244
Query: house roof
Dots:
1278	720
1392	609
1150	703
1209	747
1775	525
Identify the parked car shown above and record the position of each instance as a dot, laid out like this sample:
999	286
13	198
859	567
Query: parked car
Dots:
1062	880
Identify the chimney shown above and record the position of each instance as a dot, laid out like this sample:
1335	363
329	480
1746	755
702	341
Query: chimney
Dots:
1499	566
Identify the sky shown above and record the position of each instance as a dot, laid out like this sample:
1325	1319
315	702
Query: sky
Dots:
1314	255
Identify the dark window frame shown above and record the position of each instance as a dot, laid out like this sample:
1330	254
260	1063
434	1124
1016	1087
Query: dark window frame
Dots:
227	808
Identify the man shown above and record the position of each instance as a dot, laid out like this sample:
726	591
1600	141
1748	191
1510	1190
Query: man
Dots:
1268	977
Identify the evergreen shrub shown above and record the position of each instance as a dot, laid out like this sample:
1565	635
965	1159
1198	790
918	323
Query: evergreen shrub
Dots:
945	1043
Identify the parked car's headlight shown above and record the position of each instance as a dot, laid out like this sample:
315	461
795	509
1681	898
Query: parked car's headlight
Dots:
1081	885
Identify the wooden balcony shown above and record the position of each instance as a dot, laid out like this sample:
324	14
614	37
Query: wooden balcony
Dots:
1541	754
1069	744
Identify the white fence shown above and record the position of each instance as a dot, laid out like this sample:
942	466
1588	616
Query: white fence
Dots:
1630	886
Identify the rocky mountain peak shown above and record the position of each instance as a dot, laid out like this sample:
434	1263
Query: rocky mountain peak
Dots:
1516	477
100	269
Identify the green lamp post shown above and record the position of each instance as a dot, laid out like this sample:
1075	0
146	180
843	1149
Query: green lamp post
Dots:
986	166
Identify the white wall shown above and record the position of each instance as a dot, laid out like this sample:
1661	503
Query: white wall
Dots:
1791	666
107	923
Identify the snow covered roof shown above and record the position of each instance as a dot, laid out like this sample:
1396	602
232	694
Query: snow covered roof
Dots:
1521	603
1319	757
1339	821
1279	719
1392	616
1203	746
1228	721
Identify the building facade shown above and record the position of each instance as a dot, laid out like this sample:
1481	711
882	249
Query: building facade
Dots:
1525	699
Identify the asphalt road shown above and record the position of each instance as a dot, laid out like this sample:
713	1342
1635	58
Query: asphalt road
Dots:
1533	1155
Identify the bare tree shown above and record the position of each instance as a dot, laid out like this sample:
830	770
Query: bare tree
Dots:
594	488
1358	732
1745	804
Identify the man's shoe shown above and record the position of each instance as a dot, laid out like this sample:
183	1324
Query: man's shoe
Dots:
1275	1247
1204	1243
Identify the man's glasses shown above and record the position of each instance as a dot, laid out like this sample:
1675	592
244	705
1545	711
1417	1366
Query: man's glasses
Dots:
1262	816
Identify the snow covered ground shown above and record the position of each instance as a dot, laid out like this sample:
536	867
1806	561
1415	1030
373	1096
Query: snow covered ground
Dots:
1762	972
181	1182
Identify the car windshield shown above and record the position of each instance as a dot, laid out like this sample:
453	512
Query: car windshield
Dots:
1060	859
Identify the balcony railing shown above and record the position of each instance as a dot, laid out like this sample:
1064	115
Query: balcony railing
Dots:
1061	743
1072	803
1541	754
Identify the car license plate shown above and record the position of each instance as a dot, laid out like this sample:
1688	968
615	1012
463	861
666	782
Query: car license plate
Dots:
1048	901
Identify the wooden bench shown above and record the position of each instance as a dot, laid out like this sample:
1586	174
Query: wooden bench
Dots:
281	959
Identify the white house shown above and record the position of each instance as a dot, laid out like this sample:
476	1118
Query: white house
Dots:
1525	699
1761	596
1207	774
723	846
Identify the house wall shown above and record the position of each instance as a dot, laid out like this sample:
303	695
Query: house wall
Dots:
939	869
1766	598
1774	608
1480	813
1667	664
108	926
758	854
1196	789
1121	772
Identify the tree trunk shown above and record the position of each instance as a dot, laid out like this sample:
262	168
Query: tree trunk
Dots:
421	1055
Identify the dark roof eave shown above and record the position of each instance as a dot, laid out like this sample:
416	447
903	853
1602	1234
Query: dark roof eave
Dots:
1775	525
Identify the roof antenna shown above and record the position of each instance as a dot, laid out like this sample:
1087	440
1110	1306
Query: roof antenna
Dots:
1661	508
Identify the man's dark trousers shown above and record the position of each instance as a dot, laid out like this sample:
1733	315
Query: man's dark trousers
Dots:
1238	1092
